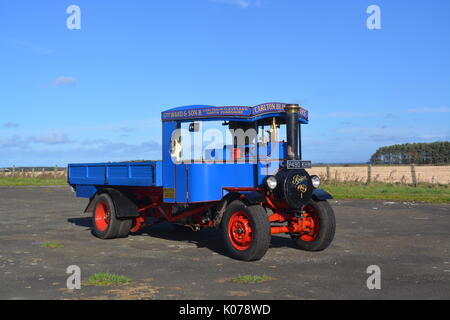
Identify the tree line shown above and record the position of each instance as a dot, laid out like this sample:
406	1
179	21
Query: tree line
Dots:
413	153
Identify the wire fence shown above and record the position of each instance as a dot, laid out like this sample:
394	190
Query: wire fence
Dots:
55	172
407	174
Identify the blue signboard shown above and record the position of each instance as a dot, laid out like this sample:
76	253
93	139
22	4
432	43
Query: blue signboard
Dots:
268	107
198	112
206	113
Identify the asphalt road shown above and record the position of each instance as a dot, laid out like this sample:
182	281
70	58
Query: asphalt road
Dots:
409	242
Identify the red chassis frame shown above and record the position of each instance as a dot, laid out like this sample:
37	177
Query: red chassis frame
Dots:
296	225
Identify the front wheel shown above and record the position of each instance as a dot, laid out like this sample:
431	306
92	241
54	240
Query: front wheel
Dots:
321	222
246	231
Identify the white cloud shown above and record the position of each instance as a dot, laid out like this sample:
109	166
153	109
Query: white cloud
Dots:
19	152
395	135
14	141
64	81
32	47
56	137
10	125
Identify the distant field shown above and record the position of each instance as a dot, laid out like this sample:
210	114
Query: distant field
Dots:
344	182
386	191
387	174
30	181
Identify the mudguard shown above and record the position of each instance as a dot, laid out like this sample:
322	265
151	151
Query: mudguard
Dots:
321	195
125	207
252	198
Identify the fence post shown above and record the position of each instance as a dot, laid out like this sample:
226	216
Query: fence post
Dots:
13	171
369	174
55	171
413	175
328	174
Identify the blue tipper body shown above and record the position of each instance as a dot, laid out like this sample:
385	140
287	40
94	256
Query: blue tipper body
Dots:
191	182
89	178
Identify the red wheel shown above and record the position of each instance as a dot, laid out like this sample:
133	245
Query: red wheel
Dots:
240	230
319	224
105	223
311	222
102	216
246	231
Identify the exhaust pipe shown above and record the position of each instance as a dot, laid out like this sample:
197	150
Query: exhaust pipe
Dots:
293	131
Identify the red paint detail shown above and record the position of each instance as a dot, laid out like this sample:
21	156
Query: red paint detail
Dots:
144	209
310	224
196	211
307	227
280	217
240	230
236	153
243	189
271	204
290	228
138	222
102	216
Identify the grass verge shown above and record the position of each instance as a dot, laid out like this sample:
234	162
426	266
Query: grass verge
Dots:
52	245
106	279
384	191
27	181
251	279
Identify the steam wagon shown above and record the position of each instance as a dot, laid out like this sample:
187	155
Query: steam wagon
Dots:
236	168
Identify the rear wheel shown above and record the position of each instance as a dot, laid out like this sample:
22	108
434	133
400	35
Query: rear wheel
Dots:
105	223
321	225
246	231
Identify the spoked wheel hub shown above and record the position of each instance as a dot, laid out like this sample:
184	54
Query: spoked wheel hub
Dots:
102	216
240	230
310	222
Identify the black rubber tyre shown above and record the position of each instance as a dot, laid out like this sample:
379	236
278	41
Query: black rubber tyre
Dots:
252	225
124	229
323	215
105	224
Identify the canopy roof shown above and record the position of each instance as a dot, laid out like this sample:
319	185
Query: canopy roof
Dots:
235	113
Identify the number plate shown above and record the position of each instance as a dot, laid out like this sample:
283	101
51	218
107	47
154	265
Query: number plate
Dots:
298	164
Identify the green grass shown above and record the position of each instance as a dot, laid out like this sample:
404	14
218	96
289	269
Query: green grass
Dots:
251	279
384	191
106	279
52	245
376	191
26	181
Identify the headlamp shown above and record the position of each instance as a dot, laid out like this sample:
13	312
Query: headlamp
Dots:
315	181
271	182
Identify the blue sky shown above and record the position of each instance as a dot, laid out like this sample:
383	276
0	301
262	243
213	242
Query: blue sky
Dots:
96	94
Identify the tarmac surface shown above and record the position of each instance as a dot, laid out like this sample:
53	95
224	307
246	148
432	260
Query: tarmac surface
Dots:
409	242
